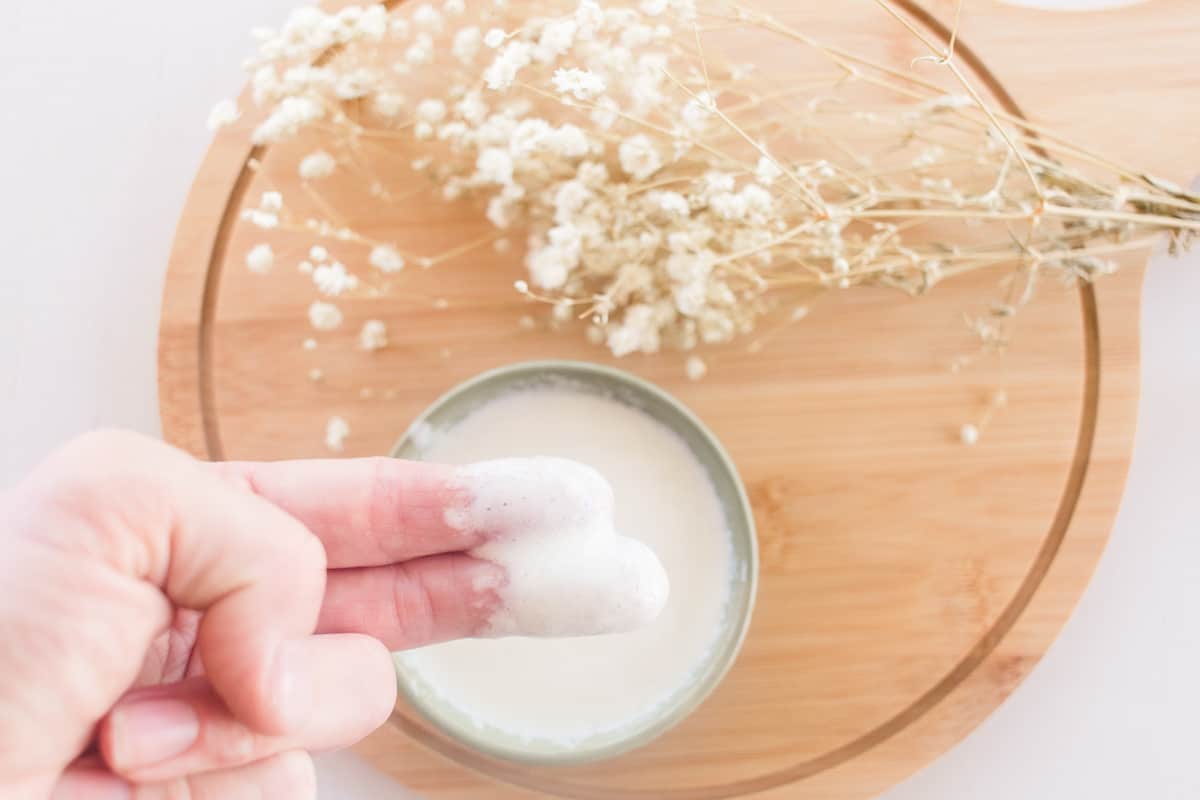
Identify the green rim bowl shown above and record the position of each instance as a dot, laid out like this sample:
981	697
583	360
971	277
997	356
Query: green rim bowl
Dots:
464	399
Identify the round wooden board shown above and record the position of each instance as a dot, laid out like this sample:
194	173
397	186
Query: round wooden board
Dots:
908	583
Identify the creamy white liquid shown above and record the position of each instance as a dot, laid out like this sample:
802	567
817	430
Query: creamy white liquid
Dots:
568	689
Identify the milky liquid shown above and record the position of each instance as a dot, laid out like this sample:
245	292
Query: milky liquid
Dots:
566	690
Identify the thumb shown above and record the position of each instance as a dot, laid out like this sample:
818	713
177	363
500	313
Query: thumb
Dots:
155	522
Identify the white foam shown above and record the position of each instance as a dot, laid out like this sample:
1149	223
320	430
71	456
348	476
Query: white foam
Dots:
550	525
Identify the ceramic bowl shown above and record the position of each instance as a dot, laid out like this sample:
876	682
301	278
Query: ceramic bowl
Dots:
465	398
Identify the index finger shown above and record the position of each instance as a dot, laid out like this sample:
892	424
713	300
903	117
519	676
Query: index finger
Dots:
366	511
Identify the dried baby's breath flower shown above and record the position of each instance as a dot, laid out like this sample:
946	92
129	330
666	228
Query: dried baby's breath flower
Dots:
260	259
388	103
286	120
266	216
637	332
419	53
431	110
317	164
672	199
332	279
695	368
494	38
639	157
466	44
968	434
494	165
373	335
581	84
426	16
223	113
386	258
324	316
508	62
336	431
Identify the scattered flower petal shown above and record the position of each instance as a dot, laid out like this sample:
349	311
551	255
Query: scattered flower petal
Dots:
260	259
373	335
336	431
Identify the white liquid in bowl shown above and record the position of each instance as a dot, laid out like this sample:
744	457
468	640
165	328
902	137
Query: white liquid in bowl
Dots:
568	690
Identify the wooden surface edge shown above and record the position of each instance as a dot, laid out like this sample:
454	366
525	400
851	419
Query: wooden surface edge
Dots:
186	290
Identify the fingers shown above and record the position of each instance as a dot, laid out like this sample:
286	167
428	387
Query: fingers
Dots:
169	731
416	603
154	515
366	511
286	775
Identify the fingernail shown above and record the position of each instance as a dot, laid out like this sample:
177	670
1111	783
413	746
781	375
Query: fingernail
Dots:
151	730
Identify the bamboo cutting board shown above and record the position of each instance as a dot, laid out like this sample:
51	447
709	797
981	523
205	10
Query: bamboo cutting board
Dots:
908	583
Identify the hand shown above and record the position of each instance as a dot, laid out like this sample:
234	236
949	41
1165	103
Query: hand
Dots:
173	628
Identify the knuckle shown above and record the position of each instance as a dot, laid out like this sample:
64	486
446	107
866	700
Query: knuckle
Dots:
413	604
232	745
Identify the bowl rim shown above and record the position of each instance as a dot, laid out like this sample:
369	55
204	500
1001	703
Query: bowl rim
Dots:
718	664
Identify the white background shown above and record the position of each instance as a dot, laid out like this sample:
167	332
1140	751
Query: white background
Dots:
103	110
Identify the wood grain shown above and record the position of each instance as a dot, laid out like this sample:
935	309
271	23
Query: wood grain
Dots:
908	583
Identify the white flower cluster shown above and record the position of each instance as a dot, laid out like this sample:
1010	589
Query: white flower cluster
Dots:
317	164
651	264
310	30
662	196
296	93
266	215
225	112
332	279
